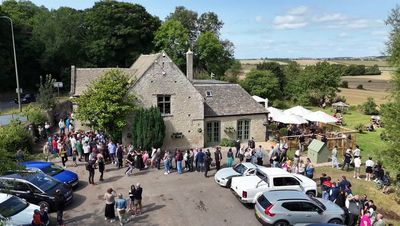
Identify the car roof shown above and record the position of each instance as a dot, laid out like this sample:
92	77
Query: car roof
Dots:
273	171
4	197
36	164
280	195
23	174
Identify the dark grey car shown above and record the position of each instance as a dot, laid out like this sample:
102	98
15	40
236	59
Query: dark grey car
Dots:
284	208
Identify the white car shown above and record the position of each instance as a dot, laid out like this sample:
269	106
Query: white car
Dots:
223	176
249	188
16	211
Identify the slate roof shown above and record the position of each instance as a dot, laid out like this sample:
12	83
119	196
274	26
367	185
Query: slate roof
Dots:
84	76
227	99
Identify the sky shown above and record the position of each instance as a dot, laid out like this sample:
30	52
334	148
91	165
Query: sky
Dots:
284	28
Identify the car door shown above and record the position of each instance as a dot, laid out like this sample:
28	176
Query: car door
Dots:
23	191
313	214
287	183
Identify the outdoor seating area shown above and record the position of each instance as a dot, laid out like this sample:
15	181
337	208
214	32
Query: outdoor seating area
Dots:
299	125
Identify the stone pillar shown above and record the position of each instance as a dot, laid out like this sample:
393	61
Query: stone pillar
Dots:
189	65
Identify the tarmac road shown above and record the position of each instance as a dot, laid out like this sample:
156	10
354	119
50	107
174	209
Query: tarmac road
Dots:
187	199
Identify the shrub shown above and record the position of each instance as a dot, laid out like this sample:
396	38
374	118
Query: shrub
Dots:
344	84
225	142
283	131
360	86
359	127
280	104
369	107
14	136
46	97
34	115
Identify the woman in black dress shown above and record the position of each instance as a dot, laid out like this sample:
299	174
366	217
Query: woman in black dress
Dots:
132	197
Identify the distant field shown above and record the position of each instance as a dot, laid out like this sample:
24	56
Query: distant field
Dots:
380	63
358	96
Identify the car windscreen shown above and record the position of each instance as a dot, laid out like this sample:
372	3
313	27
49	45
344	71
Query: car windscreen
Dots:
52	169
263	201
322	206
240	168
12	206
43	181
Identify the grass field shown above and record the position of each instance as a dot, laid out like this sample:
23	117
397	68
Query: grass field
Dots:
380	63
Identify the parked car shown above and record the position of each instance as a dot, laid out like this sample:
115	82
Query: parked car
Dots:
35	187
223	176
249	188
54	171
15	211
284	208
26	98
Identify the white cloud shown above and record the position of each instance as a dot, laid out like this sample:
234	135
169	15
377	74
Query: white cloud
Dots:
358	23
379	33
343	34
289	22
329	17
300	10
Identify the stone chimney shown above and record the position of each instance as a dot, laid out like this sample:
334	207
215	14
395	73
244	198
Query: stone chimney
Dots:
189	65
73	78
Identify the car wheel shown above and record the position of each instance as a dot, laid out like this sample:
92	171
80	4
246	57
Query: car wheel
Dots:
310	193
281	223
335	221
46	204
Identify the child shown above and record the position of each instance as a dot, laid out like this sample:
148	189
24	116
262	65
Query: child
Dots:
74	154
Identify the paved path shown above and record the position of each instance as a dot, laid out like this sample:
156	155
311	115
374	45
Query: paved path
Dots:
187	199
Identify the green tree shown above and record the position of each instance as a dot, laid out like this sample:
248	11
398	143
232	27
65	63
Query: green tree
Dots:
46	97
106	103
318	83
209	22
14	137
148	128
117	33
212	56
262	83
276	69
369	107
34	114
188	19
173	38
390	111
59	33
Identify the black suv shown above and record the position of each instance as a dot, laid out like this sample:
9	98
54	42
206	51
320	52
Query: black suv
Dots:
35	187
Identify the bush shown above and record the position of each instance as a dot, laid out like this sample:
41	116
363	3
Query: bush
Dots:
359	127
34	115
344	84
14	136
360	86
283	131
369	107
280	104
225	142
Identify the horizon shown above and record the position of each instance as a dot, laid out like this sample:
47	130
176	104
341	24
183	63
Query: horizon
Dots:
284	29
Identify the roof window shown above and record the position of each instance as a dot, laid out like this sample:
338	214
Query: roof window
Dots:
208	93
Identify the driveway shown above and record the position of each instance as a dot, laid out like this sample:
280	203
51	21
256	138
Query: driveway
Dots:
187	199
6	105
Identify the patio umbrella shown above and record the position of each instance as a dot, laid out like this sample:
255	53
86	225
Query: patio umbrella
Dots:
291	119
320	116
298	110
274	113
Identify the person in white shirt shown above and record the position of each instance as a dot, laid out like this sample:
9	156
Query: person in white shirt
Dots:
61	125
86	151
334	158
357	165
357	152
369	164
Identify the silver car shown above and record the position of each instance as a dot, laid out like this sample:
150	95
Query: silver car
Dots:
287	207
223	176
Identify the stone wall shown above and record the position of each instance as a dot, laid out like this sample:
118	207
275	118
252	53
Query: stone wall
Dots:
187	108
257	129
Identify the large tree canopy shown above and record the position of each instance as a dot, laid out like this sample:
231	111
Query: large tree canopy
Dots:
118	32
262	83
173	38
390	111
106	103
